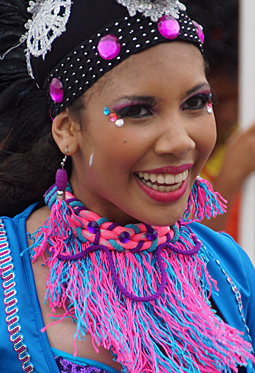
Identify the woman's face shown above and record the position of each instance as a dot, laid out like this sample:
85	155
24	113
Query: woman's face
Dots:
144	170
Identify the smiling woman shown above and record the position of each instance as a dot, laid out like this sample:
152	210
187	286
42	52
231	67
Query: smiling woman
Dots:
112	273
167	130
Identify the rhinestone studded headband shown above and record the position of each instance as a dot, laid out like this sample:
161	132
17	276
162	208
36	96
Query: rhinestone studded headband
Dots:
138	25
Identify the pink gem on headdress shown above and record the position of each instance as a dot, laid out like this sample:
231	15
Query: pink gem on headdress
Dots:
200	31
168	27
56	90
108	47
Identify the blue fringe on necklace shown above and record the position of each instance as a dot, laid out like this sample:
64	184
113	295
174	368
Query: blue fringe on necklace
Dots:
141	292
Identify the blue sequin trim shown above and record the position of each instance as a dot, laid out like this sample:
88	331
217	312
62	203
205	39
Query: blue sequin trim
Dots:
10	302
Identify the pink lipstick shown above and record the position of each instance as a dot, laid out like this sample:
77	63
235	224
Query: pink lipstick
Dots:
172	188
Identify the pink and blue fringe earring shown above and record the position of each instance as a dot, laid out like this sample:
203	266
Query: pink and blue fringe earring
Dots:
203	202
60	216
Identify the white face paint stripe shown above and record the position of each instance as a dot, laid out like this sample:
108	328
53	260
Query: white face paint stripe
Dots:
91	159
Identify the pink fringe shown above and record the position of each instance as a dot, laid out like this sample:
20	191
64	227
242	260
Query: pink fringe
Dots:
165	335
204	202
98	302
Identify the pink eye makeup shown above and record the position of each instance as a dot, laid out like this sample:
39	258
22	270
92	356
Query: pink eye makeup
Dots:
135	107
132	107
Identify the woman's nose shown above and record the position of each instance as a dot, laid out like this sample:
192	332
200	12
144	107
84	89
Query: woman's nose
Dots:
174	139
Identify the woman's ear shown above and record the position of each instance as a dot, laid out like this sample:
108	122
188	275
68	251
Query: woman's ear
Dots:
64	131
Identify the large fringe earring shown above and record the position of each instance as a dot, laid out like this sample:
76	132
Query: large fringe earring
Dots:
58	225
203	202
60	216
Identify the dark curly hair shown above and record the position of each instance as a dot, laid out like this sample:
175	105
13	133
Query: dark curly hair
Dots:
30	157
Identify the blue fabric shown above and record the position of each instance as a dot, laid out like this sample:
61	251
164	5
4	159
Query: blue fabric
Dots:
30	317
238	266
221	247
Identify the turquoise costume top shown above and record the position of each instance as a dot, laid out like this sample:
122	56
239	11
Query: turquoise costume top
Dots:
24	348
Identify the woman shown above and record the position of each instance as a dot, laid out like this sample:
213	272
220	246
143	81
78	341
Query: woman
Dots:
131	108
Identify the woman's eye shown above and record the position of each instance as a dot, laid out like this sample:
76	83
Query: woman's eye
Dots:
196	102
135	111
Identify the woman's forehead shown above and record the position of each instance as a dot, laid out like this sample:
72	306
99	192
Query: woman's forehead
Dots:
161	61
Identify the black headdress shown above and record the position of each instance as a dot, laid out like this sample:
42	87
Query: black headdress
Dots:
70	45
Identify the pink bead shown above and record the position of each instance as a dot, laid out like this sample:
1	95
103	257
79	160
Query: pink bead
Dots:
168	27
56	90
113	117
200	31
108	47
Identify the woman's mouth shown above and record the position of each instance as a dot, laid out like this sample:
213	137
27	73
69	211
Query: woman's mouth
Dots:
163	182
163	187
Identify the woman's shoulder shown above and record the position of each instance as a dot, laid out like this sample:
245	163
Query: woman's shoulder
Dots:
220	245
15	228
226	253
34	216
11	225
36	219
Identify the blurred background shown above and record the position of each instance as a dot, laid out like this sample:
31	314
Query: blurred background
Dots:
230	50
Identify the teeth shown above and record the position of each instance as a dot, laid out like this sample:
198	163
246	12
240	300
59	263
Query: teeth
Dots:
153	178
161	179
162	188
164	181
169	179
178	178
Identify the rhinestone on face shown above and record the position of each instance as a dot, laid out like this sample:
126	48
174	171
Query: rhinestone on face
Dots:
209	108
200	31
124	237
108	47
113	117
119	122
168	27
106	111
56	90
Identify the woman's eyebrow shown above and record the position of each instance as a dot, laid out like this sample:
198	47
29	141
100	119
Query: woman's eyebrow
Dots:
142	98
197	88
136	98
